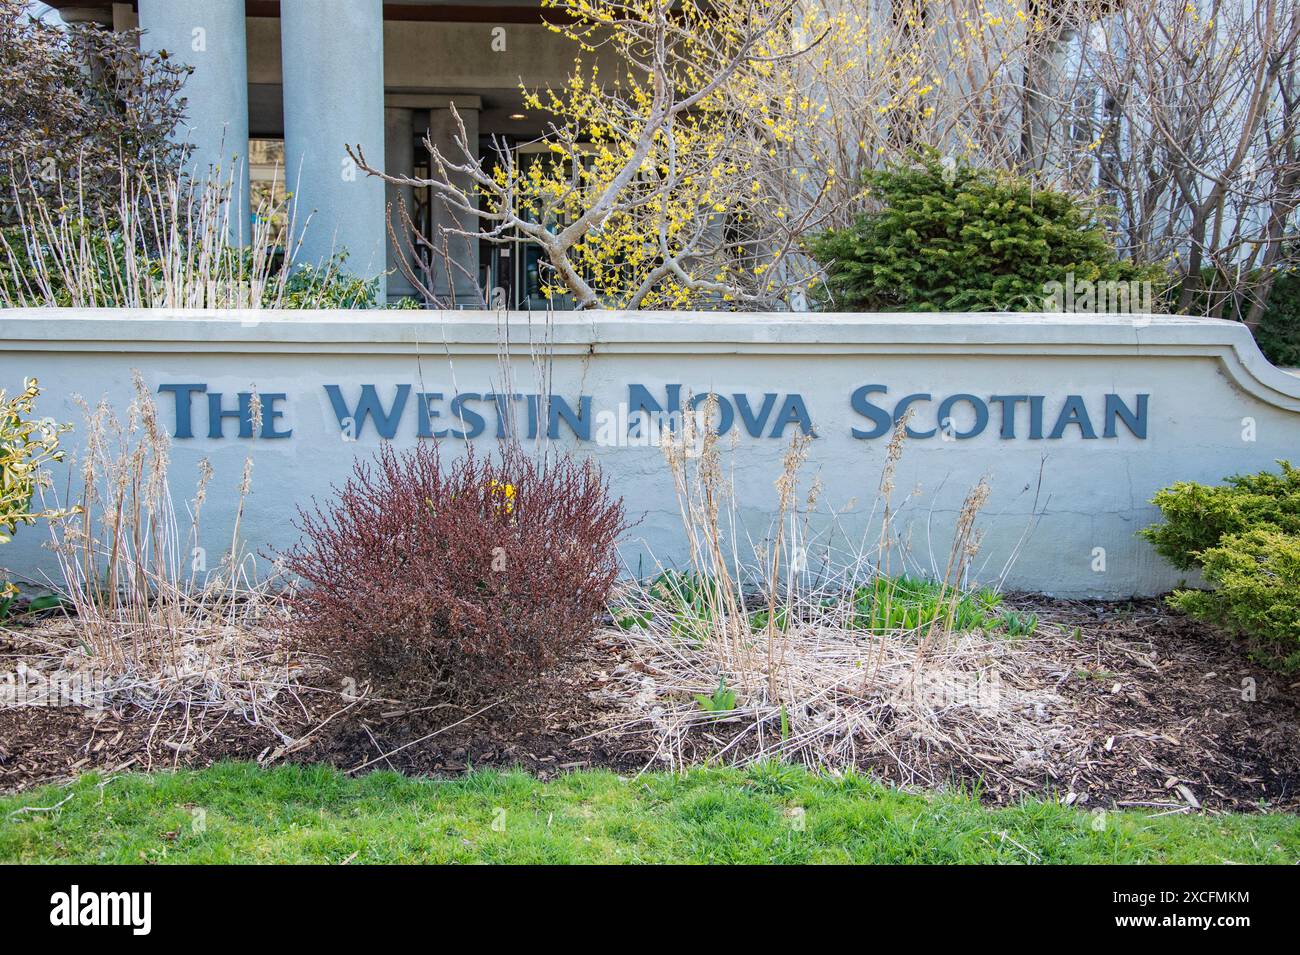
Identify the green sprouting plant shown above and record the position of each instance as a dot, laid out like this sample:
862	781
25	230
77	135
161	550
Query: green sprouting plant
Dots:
890	604
722	700
1098	675
9	603
692	602
1019	624
676	587
760	618
627	619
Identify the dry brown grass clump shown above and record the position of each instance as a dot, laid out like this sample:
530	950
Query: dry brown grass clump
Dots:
751	654
149	623
163	241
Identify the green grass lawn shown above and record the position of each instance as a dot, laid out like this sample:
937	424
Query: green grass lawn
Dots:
240	813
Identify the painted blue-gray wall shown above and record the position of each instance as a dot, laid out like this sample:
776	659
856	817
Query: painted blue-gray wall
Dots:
1214	407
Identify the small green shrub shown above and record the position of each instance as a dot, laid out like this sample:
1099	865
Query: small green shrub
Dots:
328	287
27	444
953	238
1245	538
1257	576
1197	516
1278	334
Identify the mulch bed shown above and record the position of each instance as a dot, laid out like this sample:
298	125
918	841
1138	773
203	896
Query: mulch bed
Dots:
1172	725
1180	714
550	727
544	729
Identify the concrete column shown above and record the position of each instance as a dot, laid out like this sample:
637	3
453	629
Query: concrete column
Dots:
125	18
399	157
209	36
333	61
442	133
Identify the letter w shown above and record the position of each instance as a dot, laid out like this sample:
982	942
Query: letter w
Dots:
369	406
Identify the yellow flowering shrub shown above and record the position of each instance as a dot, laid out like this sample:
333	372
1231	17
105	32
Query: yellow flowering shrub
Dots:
27	444
675	177
721	134
698	143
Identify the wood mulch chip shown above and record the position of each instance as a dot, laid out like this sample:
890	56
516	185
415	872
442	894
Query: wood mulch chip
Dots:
1180	716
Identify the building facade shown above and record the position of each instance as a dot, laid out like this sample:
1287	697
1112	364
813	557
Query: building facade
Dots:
292	82
279	89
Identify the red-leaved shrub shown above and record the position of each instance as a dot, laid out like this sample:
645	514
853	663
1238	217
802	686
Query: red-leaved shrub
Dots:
457	577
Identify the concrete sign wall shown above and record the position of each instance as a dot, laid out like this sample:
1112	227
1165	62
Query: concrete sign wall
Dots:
1075	420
